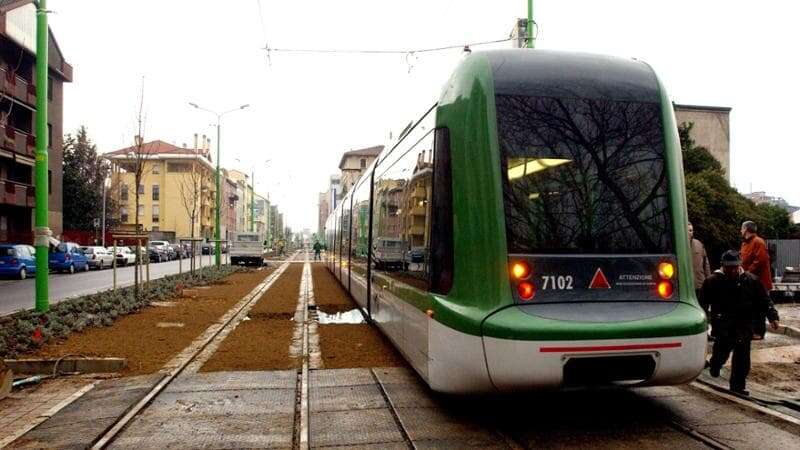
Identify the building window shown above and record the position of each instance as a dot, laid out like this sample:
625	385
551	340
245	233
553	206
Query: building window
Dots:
49	182
141	189
123	214
155	213
156	168
50	88
363	163
141	210
155	192
123	193
49	135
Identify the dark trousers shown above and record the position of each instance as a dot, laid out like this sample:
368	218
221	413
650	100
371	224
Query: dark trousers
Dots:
316	255
740	366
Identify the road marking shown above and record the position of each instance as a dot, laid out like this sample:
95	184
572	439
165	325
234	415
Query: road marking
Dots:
304	375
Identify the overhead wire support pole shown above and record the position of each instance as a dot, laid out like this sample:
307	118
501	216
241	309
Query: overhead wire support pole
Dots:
217	230
42	231
530	24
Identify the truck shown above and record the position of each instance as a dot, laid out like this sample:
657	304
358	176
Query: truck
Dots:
247	248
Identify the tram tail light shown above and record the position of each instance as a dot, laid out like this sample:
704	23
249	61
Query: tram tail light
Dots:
665	289
666	270
526	290
521	270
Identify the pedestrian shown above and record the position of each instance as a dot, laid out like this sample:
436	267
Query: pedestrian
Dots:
755	259
736	299
702	269
317	251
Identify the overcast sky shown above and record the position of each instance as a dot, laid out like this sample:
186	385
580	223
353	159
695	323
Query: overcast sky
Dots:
307	109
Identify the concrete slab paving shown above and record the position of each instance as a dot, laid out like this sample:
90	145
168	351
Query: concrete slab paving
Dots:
355	427
340	377
753	435
345	398
218	410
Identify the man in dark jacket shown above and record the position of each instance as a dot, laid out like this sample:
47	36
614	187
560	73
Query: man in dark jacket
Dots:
737	300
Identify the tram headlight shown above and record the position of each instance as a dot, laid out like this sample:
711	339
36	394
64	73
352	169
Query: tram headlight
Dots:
665	289
520	270
526	290
666	270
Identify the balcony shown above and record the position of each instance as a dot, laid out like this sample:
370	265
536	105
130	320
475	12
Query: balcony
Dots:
17	194
17	141
17	87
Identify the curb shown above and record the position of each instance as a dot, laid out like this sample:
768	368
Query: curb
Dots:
788	331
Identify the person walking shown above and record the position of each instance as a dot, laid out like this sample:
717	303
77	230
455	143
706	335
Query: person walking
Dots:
702	269
736	300
317	250
755	258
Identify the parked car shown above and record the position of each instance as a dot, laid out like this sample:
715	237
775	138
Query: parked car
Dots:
98	257
157	253
164	246
67	257
208	247
124	256
17	261
179	250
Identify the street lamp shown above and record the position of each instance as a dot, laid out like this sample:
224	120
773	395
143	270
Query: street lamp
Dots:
217	233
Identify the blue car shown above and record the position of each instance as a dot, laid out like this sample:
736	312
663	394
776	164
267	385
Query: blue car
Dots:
68	257
17	261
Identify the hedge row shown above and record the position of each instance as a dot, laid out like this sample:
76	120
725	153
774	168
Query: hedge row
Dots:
18	331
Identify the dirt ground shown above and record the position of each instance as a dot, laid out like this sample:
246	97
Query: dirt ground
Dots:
262	343
348	345
147	346
784	377
329	294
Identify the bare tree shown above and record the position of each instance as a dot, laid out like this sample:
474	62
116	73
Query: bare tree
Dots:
190	185
137	158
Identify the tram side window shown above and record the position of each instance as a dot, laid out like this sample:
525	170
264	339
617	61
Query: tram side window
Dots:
345	227
441	260
402	215
359	248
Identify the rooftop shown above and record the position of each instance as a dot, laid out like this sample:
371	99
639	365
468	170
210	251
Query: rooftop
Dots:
368	151
159	147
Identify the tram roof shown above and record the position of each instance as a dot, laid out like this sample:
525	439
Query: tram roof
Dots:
548	73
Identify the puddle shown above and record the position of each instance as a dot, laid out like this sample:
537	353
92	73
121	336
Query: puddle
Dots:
352	316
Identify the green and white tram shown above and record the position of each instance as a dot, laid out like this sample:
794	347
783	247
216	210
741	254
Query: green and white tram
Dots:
529	230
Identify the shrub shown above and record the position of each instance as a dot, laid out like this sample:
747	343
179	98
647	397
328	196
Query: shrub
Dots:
101	309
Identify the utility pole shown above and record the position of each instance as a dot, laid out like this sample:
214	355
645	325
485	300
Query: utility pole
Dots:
42	225
530	23
217	231
252	200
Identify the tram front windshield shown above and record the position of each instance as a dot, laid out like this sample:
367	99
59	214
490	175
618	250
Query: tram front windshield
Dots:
583	176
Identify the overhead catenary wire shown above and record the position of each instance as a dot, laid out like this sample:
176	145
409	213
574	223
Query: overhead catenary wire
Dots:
382	52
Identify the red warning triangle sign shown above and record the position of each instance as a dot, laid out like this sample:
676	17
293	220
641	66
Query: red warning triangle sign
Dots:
599	281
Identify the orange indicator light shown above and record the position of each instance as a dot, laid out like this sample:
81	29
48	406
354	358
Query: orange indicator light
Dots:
666	270
526	290
665	289
520	270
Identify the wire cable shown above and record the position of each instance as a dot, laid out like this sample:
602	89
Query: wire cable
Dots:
382	52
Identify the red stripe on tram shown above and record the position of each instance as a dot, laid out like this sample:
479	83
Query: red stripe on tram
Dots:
604	348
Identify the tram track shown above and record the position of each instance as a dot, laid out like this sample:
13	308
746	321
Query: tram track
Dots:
191	356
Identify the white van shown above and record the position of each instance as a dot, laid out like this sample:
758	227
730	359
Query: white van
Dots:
247	248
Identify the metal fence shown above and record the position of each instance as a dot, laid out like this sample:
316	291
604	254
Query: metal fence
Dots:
784	253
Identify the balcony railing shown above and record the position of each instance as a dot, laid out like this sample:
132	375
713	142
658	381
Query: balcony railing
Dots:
17	194
17	87
17	141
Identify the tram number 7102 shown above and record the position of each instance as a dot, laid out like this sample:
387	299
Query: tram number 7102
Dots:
561	282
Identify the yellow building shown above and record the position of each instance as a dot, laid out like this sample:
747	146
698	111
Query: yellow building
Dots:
177	189
244	190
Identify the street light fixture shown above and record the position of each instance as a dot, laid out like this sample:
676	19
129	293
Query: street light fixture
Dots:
217	232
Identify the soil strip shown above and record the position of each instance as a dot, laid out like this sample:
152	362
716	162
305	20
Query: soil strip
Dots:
262	343
348	345
147	347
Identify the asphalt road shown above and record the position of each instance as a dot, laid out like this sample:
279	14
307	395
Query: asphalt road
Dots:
19	294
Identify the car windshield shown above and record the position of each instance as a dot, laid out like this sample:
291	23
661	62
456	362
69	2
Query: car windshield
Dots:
7	251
